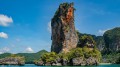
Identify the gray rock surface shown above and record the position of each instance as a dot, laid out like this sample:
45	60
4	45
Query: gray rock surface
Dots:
91	61
40	63
12	61
77	61
64	36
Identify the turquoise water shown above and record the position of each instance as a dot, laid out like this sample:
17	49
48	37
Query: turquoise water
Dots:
31	65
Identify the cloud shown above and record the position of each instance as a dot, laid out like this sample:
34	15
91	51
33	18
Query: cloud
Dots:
3	35
1	52
101	32
4	50
5	20
49	27
29	50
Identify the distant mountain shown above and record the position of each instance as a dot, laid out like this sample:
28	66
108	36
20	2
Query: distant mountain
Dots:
109	42
29	57
112	39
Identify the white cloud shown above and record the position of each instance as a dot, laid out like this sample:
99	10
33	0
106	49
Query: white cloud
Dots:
49	27
4	50
29	50
5	20
3	35
101	32
1	52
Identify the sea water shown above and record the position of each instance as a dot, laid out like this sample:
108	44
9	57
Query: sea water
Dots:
32	65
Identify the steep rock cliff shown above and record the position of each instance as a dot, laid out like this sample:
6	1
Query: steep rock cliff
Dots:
63	36
112	39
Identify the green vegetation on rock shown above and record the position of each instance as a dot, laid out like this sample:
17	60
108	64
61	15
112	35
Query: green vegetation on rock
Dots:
12	60
49	57
112	39
84	53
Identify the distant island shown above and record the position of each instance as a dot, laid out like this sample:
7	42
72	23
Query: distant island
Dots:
69	46
28	58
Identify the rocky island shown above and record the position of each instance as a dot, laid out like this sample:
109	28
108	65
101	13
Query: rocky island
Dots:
67	48
12	60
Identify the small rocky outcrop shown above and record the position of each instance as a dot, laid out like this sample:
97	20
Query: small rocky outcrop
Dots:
39	63
86	40
77	61
64	36
12	61
64	62
91	61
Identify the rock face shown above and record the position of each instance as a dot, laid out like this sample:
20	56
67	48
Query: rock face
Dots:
100	43
80	61
64	36
40	63
112	39
91	61
77	61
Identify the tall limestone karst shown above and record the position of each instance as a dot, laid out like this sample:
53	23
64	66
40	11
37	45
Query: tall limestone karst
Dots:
112	39
64	36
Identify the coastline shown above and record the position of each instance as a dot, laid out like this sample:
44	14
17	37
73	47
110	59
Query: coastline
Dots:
105	63
33	65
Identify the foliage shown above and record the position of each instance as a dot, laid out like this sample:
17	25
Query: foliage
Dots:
64	55
118	61
85	40
5	55
29	57
92	53
49	57
104	43
74	53
111	38
63	5
77	52
10	57
97	40
111	58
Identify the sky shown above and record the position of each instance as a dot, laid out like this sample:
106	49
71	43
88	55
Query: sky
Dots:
25	24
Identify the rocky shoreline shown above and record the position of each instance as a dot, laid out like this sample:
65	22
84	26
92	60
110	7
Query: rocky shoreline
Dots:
79	61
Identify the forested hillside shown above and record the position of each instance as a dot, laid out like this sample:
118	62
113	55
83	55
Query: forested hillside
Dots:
29	57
